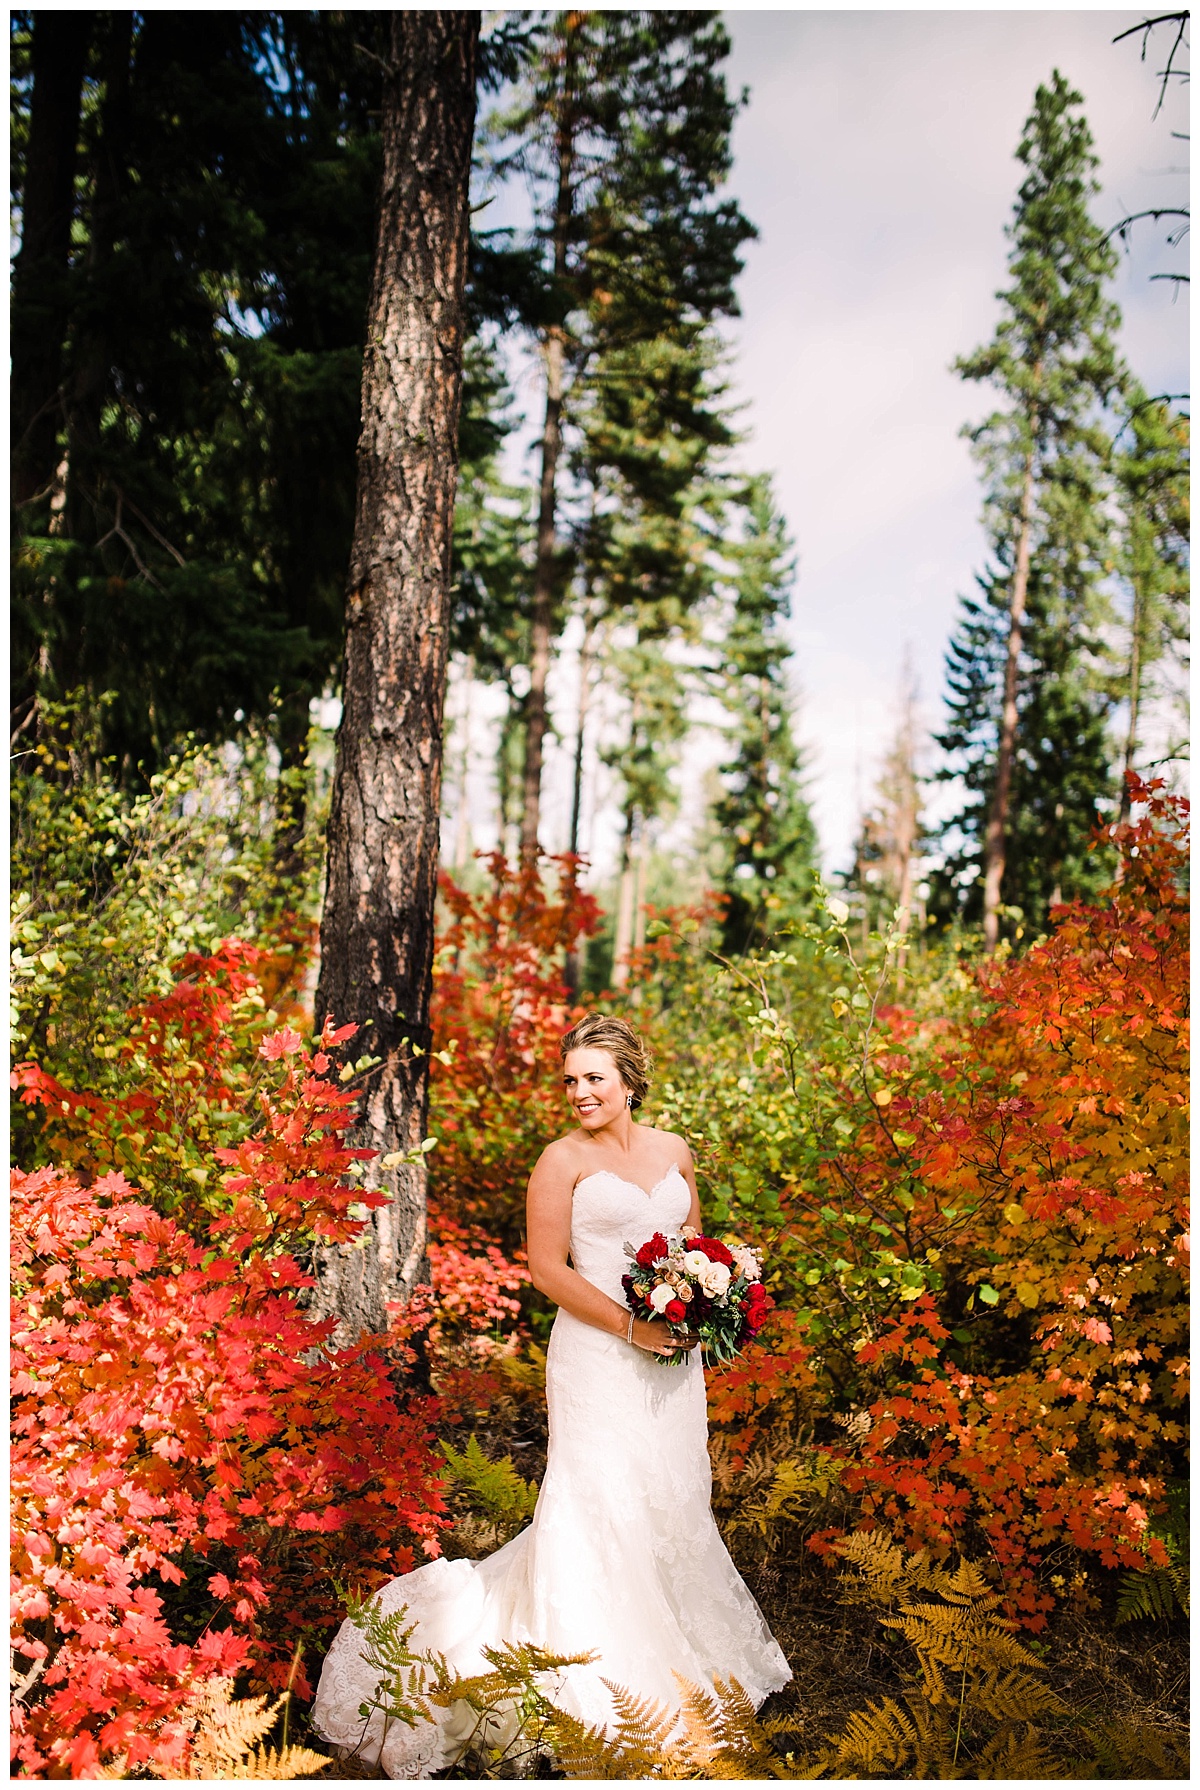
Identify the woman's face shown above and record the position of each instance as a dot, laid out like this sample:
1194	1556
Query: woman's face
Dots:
595	1092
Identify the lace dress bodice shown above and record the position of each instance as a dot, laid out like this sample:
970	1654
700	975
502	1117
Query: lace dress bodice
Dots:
622	1556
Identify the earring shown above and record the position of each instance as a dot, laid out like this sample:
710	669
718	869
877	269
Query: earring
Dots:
629	1101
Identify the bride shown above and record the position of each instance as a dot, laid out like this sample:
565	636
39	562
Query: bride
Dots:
622	1557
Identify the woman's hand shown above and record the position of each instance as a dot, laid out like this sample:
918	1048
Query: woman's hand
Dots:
652	1335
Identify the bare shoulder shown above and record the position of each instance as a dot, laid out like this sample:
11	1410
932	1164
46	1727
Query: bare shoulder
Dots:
558	1161
678	1143
670	1137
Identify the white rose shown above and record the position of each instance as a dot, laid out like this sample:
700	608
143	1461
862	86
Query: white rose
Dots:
696	1262
716	1281
662	1296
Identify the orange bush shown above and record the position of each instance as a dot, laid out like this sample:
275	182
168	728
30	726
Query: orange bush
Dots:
983	1233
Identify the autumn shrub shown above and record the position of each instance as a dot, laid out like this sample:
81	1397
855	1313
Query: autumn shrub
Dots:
500	1006
193	1466
975	1208
114	887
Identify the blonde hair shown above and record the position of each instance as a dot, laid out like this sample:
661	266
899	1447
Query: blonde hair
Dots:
604	1031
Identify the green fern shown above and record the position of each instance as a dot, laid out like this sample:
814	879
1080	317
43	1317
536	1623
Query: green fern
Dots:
785	1499
491	1489
1157	1592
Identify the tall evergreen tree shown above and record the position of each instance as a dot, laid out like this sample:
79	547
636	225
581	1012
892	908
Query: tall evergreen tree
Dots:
763	814
1054	363
206	411
384	824
624	129
1151	475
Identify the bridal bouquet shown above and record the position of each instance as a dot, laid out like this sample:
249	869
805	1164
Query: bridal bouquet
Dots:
699	1284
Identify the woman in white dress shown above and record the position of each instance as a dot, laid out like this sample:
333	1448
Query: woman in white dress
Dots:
622	1557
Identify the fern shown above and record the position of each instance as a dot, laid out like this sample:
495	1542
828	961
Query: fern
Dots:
1136	1750
494	1488
225	1740
786	1498
1158	1592
527	1373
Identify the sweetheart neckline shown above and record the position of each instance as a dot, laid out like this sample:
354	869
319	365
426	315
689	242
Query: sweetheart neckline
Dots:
614	1176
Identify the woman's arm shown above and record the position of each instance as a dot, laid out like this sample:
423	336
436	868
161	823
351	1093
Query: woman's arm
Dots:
548	1243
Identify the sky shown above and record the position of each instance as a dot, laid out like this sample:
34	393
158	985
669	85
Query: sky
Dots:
876	156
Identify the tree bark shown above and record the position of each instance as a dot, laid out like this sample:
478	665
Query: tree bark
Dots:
1135	695
40	292
91	352
626	888
545	578
377	929
996	839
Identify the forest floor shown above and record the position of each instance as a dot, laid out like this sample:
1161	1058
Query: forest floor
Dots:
842	1658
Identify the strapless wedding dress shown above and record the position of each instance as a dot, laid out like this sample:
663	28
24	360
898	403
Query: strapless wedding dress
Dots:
622	1557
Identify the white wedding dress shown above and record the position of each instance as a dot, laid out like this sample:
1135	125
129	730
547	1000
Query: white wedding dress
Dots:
622	1557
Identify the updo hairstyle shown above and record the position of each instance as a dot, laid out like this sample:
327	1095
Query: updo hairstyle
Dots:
604	1031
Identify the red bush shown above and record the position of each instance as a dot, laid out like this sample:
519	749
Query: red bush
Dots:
181	1424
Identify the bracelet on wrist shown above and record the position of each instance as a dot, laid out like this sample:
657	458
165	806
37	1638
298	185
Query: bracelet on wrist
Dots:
629	1332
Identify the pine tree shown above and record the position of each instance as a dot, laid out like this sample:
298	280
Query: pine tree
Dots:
1151	469
624	130
384	823
763	814
1043	452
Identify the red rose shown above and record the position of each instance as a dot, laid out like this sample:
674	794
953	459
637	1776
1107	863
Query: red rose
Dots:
653	1251
716	1252
757	1294
676	1312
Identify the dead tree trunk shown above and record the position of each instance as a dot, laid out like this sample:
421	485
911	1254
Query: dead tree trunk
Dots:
377	929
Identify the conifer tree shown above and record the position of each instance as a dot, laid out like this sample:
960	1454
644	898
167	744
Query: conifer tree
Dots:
763	814
1054	364
624	130
1151	475
384	822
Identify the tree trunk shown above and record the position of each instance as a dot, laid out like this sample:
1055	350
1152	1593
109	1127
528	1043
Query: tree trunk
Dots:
545	578
1135	695
583	703
623	940
41	271
996	839
291	739
377	929
88	383
572	969
462	829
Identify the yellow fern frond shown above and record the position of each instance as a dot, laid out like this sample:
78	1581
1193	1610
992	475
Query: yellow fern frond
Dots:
968	1586
879	1561
642	1726
1139	1750
1016	1697
1014	1754
227	1735
881	1736
582	1751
